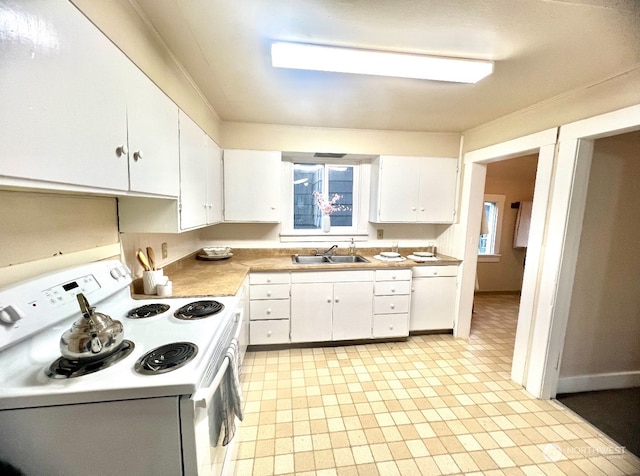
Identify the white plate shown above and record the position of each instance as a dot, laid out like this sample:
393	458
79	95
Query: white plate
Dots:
424	254
390	254
206	257
423	259
384	258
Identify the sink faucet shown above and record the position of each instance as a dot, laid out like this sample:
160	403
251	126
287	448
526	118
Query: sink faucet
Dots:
331	251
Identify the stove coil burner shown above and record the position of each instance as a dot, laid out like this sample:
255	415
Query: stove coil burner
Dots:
199	310
70	368
147	310
166	358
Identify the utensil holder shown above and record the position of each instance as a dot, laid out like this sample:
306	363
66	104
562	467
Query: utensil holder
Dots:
151	279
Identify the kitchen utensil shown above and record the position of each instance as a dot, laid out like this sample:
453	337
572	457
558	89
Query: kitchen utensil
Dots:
151	279
93	336
152	258
142	259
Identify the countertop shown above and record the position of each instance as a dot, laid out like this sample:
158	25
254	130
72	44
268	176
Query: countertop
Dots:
193	277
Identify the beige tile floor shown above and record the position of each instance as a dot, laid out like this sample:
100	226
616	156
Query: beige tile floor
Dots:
431	405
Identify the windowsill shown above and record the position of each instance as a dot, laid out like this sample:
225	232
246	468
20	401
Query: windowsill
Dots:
307	236
489	258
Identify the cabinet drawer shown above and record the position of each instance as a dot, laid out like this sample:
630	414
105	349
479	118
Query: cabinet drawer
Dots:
392	287
269	278
269	332
433	271
393	274
270	309
391	304
269	291
391	325
331	276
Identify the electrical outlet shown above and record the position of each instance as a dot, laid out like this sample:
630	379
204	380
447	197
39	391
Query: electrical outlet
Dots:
165	251
380	234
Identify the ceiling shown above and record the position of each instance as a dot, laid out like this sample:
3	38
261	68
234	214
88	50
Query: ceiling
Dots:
541	49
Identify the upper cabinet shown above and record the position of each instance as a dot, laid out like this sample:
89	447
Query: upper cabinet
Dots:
200	177
76	112
252	185
63	114
152	122
413	189
200	200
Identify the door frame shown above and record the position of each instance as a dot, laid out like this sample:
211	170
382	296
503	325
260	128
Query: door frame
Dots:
548	278
475	163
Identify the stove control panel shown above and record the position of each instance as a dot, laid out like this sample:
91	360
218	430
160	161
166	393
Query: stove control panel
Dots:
67	292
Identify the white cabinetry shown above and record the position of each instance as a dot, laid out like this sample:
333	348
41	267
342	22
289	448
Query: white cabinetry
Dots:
76	113
252	185
391	303
270	308
331	305
193	165
413	189
200	178
433	301
63	114
152	121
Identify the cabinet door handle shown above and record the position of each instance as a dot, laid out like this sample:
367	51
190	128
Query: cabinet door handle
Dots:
137	155
122	150
337	299
329	300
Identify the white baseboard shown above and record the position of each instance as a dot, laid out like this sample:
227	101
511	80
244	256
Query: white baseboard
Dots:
587	383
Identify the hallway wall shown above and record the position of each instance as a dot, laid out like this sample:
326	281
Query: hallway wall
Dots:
602	342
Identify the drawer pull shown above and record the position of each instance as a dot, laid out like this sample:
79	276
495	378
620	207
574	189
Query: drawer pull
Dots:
268	293
268	333
393	290
390	327
393	306
269	311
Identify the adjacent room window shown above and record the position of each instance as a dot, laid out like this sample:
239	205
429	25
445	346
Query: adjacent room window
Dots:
323	188
491	227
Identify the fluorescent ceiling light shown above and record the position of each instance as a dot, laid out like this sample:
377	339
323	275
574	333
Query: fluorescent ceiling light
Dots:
379	63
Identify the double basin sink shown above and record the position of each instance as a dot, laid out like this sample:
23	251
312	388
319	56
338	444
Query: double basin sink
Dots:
328	259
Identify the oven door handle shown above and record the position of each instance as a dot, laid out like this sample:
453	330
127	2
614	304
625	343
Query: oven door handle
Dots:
203	396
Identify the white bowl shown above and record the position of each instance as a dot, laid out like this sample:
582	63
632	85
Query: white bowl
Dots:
423	254
390	254
216	250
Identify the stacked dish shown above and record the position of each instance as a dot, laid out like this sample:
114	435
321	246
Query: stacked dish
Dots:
422	256
389	256
213	253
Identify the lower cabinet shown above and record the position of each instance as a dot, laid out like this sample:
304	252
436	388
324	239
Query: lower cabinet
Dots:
332	305
392	303
433	300
269	308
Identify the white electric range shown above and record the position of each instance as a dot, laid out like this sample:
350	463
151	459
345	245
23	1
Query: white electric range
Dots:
116	416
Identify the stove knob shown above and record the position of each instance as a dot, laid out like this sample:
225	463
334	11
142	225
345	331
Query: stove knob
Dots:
116	273
11	315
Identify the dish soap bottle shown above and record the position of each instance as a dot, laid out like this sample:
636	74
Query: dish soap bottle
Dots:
352	248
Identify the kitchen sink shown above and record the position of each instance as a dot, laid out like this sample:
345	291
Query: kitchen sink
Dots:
348	259
327	259
309	259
